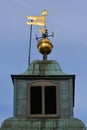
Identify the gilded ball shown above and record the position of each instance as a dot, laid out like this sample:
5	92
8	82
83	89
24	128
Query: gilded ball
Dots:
44	46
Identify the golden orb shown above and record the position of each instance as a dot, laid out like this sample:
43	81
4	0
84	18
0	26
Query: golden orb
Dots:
44	46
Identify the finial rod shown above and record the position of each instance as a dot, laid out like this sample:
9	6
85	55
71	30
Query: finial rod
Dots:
45	56
30	44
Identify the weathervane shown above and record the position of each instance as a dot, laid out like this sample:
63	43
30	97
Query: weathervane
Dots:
40	21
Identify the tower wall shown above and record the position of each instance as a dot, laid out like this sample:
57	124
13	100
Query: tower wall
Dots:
65	94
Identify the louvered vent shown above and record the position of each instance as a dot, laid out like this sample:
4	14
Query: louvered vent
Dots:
36	100
43	99
50	100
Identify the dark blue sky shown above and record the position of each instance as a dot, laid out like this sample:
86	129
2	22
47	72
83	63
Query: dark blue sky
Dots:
68	20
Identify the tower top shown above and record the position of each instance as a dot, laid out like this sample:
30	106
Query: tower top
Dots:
44	44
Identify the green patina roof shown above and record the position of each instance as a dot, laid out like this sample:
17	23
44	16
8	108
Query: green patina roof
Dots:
43	124
44	67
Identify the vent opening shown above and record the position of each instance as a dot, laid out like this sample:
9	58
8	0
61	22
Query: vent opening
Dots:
50	100
36	100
